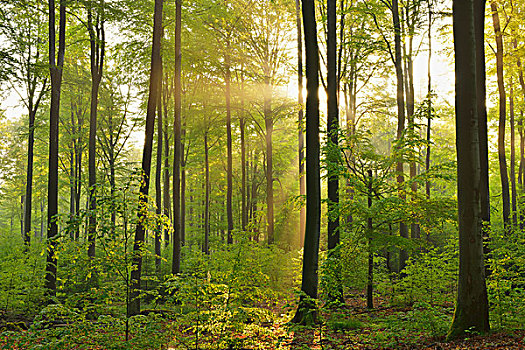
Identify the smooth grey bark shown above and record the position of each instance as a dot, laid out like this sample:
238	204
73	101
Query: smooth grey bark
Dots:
479	30
268	122
56	64
206	246
332	122
166	174
429	97
471	312
370	276
502	159
307	308
229	170
398	62
513	156
154	83
158	175
177	154
97	42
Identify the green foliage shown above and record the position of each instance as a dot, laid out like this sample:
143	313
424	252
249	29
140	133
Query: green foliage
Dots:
429	277
20	275
344	324
506	281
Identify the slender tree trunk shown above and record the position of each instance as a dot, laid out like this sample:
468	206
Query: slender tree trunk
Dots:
479	23
175	266
55	69
244	208
166	199
521	172
78	187
268	122
333	141
513	157
29	175
72	191
183	192
158	176
332	124
254	198
300	121
472	305
410	103
229	172
403	229
242	126
97	51
154	83
505	195
370	281
41	219
306	311
429	96
206	247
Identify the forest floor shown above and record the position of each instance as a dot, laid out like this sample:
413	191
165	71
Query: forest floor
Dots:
356	327
350	327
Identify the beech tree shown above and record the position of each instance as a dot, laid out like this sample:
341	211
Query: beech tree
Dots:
502	159
154	84
307	309
472	305
97	45
56	65
177	154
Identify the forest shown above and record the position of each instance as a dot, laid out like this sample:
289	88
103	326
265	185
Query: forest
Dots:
262	174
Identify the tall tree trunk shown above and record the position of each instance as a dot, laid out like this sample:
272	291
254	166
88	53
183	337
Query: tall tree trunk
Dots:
370	280
183	191
472	305
521	173
158	175
513	156
78	187
206	247
332	124
29	174
166	199
242	126
33	102
253	206
505	195
97	51
55	69
229	171
410	103
268	122
333	140
306	309
429	97
154	83
398	61
29	177
300	121
244	208
175	265
479	30
72	190
41	219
